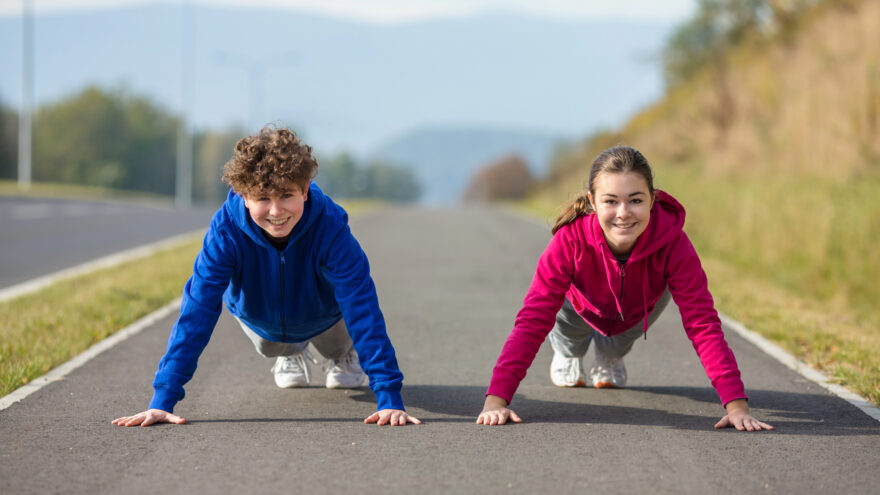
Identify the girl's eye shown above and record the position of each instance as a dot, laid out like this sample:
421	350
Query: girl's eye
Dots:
637	201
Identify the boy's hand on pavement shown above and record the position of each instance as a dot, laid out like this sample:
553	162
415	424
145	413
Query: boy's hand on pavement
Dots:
148	417
394	417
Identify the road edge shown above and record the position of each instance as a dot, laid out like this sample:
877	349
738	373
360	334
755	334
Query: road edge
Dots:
61	372
108	261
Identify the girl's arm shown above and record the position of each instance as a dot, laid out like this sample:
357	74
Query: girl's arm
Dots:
535	319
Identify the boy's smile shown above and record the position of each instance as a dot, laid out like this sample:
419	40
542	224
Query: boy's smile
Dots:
276	213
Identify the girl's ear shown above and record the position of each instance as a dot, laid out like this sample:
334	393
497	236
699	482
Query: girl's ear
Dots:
592	203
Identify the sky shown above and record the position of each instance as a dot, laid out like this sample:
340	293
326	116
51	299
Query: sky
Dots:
397	11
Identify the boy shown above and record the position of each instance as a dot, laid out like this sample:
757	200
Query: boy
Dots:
280	254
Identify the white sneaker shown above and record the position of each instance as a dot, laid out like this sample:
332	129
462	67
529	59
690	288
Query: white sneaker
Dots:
345	372
608	372
566	371
292	371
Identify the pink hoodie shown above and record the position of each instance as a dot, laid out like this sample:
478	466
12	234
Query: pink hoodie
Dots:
613	298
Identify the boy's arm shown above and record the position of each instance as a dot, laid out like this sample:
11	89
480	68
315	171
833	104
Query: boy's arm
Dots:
347	268
199	310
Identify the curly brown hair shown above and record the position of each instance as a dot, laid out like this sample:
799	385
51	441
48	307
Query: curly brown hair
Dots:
270	162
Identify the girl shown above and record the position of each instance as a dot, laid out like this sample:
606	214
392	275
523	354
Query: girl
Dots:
617	256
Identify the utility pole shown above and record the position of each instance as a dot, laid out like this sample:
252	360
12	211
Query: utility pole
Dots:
184	171
255	69
25	116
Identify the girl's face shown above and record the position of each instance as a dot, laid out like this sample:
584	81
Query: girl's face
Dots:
622	203
277	214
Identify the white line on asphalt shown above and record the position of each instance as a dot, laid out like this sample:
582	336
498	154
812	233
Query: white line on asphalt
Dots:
800	367
106	262
65	369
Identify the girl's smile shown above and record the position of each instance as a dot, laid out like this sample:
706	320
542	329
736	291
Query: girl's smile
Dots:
622	203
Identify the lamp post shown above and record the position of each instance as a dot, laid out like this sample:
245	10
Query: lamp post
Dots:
184	170
256	70
25	116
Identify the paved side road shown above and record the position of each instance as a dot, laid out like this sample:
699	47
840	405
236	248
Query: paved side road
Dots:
450	283
39	236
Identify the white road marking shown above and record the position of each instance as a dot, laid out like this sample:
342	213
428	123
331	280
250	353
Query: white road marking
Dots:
106	262
65	369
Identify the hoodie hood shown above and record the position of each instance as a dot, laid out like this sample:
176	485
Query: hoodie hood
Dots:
239	213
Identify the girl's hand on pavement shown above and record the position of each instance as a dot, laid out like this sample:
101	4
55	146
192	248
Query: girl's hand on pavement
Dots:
495	412
739	417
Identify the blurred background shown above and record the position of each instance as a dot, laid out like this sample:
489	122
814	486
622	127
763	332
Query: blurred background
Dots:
761	116
400	99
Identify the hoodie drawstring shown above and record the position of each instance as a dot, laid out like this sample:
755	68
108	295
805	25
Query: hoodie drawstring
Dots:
610	286
645	296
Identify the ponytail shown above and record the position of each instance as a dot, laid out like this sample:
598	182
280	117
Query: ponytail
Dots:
579	207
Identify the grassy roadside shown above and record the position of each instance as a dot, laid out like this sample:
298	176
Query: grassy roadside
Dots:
838	339
47	328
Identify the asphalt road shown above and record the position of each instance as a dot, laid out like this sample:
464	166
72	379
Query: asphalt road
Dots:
450	283
39	236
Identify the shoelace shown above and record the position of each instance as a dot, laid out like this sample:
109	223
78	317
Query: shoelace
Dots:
342	363
293	361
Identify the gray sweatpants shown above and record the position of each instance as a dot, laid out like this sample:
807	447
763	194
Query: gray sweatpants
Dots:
333	343
571	335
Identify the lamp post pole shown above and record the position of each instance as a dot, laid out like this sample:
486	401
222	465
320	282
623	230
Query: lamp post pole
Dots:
25	116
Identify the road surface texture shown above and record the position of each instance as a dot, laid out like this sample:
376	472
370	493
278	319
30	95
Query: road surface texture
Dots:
450	283
39	236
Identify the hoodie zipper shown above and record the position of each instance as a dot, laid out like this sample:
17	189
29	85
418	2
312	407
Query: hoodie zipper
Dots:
622	275
283	322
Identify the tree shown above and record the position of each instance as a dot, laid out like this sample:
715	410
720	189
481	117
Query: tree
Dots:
108	139
8	142
506	178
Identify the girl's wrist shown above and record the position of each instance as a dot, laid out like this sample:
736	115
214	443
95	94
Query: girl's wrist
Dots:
493	401
737	405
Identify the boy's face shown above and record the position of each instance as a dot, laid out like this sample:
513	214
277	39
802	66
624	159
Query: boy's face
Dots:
276	213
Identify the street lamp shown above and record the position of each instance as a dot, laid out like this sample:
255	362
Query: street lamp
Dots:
255	69
25	116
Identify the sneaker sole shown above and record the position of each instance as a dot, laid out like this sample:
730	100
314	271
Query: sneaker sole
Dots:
578	384
292	385
337	384
604	385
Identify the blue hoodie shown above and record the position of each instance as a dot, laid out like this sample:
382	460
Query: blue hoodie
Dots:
290	295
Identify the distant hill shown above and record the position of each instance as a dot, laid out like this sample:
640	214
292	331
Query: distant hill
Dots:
446	158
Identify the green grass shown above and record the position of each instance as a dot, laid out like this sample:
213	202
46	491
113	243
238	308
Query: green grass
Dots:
45	329
793	257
